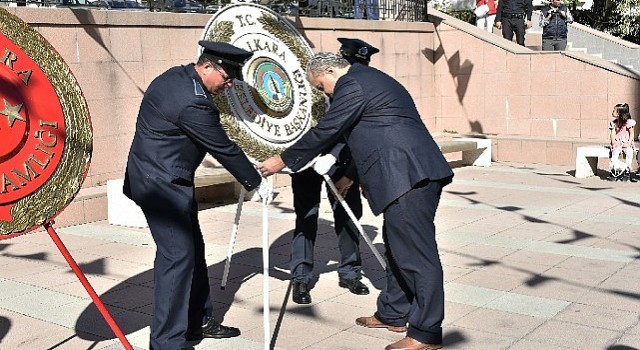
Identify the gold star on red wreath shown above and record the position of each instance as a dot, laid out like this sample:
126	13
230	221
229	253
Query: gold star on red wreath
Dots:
12	112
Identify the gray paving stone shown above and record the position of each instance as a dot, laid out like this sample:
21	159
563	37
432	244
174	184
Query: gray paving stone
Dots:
530	259
599	317
500	322
574	336
527	305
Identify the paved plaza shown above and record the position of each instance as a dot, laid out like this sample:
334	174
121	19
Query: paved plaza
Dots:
533	258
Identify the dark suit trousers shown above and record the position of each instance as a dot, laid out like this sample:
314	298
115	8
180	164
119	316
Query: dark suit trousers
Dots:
415	288
307	187
181	288
513	25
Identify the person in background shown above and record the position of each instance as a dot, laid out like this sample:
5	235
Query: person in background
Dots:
307	186
510	17
487	21
554	20
177	123
621	135
368	7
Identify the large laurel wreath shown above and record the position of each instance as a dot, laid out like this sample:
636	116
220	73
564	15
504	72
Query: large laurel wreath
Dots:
223	31
65	182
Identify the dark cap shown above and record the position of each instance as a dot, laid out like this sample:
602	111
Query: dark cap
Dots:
231	58
356	50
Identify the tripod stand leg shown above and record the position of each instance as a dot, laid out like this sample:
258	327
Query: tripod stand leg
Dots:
355	220
232	239
265	275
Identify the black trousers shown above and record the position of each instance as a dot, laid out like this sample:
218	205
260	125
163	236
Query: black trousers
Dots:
181	284
307	187
415	288
511	25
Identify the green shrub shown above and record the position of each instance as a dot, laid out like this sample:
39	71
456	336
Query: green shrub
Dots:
463	15
620	18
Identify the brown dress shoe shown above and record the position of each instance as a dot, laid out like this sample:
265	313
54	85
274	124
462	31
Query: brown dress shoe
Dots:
373	322
408	343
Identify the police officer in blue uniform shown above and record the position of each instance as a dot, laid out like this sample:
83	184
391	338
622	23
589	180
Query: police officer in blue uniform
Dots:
402	173
510	17
177	123
307	185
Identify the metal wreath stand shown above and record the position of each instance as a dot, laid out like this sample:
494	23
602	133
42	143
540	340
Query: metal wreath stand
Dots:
265	249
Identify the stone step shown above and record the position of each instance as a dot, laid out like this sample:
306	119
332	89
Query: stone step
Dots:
599	54
213	185
89	205
576	49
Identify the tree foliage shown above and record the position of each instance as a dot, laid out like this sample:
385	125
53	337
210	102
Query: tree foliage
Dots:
620	18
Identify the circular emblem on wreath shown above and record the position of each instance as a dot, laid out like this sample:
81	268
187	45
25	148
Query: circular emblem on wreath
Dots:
44	128
275	104
273	88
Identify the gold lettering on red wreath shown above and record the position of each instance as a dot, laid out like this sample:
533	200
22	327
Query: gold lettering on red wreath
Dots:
17	178
20	175
41	105
8	59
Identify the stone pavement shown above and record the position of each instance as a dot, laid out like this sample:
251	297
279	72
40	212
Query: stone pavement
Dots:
533	259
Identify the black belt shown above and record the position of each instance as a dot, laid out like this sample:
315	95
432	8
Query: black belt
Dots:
513	15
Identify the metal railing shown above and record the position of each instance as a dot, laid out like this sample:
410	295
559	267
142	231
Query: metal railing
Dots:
88	4
393	10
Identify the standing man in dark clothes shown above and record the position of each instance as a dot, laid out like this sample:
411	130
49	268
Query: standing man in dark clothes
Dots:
510	18
402	173
307	186
177	123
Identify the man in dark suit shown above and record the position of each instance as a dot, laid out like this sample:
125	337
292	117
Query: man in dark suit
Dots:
510	17
177	123
307	186
402	173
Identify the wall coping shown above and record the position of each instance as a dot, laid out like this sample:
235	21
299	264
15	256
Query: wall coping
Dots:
103	17
360	25
538	138
123	18
495	138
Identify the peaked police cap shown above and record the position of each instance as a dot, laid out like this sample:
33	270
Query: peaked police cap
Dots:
356	50
230	57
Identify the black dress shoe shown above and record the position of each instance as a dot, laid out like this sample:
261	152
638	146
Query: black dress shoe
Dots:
354	286
213	329
300	293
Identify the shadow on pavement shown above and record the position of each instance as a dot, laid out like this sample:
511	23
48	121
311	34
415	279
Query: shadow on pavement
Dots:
5	326
130	302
